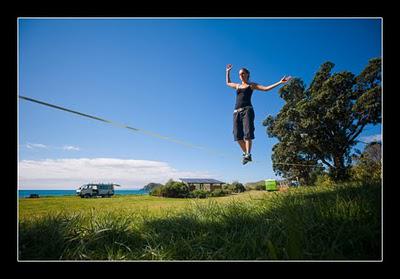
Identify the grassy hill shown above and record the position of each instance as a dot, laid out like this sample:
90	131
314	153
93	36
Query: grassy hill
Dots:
253	185
341	222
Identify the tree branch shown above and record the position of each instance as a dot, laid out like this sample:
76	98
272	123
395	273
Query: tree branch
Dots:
325	162
357	133
362	123
320	157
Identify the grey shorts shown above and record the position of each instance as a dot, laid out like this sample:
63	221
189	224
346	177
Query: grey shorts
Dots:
243	124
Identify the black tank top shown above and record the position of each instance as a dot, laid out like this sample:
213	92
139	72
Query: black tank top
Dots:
243	97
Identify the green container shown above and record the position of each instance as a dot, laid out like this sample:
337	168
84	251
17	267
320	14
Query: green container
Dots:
271	185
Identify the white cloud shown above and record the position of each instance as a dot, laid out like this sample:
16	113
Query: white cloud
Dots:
71	148
71	173
368	139
35	145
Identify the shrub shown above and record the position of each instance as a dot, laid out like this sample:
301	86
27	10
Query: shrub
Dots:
228	187
175	190
260	187
220	193
324	180
367	172
151	186
235	187
238	187
172	189
368	165
156	191
201	194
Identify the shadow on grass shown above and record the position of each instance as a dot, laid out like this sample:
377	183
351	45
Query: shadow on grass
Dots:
342	223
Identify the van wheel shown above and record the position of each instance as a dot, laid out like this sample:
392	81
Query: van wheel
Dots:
87	196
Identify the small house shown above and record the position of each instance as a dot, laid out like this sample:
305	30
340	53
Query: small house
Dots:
202	183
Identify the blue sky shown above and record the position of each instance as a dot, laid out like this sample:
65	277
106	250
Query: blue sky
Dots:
166	76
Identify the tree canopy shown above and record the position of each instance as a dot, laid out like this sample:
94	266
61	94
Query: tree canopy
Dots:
318	126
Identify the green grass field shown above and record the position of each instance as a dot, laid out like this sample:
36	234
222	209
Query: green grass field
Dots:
341	222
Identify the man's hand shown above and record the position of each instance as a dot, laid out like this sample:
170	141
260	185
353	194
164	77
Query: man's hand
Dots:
228	67
285	79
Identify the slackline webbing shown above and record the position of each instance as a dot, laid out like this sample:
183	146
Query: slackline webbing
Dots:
138	130
120	125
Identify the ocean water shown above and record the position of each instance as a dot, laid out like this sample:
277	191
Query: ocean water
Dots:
49	193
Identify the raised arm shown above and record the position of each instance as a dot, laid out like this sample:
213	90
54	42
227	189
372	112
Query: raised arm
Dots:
228	78
272	86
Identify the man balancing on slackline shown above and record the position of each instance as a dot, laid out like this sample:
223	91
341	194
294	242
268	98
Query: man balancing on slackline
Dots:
243	115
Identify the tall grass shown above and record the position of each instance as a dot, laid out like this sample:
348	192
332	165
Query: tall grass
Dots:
310	223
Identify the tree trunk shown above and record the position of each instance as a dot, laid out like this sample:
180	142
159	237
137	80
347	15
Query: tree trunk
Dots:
339	170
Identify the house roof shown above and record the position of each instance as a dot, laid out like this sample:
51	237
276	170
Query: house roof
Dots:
201	180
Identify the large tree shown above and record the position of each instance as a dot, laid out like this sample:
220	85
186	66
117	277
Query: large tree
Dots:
318	126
